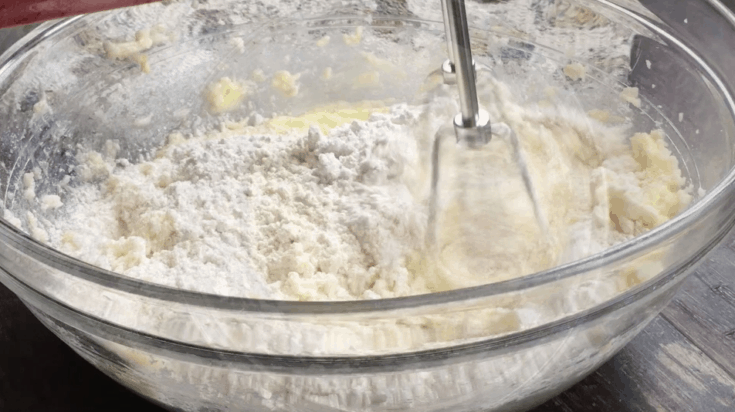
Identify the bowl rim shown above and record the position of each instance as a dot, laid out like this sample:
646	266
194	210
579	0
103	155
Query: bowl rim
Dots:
336	364
699	210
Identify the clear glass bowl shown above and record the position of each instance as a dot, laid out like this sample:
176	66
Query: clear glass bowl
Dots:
446	351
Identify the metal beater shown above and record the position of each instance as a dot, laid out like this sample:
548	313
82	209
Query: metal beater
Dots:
472	125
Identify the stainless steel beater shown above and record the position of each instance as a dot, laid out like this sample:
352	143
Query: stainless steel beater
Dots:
472	125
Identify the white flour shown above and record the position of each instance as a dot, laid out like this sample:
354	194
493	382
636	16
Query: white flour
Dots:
300	214
245	213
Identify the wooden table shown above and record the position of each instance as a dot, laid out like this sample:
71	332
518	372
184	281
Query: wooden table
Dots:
683	361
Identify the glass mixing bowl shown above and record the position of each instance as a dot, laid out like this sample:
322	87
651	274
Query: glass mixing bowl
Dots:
454	350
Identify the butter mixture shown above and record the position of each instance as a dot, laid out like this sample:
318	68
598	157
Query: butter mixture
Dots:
332	205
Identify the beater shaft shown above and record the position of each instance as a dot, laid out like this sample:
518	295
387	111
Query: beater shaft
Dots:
472	125
448	65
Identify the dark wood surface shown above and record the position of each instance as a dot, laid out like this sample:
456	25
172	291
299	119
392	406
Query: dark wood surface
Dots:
683	361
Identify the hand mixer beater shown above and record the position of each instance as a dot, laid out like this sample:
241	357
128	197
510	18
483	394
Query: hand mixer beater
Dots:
472	127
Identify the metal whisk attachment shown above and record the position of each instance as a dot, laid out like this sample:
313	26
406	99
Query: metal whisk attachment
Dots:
472	124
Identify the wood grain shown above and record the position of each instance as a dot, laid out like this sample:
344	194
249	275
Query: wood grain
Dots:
660	370
706	319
